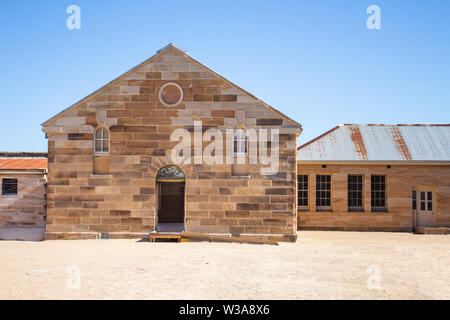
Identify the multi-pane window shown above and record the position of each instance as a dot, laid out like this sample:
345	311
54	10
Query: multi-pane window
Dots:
414	200
355	193
302	190
101	137
378	192
9	186
426	201
240	141
323	192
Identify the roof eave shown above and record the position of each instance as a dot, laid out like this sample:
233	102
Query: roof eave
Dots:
377	162
23	171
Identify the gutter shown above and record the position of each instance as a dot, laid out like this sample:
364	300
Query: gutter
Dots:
377	162
22	171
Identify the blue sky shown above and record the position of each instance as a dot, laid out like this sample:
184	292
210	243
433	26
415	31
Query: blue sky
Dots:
315	61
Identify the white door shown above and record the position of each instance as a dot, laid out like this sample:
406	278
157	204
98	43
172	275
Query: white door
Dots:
423	203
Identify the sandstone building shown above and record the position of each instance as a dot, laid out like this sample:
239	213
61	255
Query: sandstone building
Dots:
375	177
23	181
171	146
110	164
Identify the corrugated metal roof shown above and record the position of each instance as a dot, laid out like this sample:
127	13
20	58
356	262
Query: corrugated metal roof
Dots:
382	142
23	164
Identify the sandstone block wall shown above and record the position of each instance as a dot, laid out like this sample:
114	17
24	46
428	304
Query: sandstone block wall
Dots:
123	197
400	181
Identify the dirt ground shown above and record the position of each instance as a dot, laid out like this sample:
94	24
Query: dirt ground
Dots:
321	265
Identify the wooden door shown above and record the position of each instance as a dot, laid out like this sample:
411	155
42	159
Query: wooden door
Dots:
171	202
423	203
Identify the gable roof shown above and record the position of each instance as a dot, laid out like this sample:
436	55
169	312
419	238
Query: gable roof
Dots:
379	142
160	52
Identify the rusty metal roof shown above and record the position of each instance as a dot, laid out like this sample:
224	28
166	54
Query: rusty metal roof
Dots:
23	164
380	142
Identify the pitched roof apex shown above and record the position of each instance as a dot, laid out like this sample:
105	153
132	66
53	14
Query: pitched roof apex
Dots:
171	45
159	53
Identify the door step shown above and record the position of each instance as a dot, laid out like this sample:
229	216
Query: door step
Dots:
164	237
427	230
194	236
224	238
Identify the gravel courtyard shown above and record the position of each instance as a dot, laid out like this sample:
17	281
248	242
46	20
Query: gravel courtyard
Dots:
321	265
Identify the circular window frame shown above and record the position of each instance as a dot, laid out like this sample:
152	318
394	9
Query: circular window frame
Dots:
171	84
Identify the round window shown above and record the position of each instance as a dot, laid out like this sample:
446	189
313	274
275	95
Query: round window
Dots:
171	94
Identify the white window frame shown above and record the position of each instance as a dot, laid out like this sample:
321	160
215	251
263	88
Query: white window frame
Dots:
102	152
240	140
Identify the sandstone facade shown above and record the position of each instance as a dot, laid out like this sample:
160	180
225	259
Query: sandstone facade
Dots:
401	180
116	192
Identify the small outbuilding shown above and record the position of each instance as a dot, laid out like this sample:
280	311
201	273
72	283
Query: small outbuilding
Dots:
23	195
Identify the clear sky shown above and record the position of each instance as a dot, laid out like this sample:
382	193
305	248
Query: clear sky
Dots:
315	61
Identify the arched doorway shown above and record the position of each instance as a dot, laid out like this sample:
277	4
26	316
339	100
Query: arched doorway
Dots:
170	183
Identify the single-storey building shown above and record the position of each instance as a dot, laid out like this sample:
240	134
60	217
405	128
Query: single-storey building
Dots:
375	177
171	146
113	172
23	193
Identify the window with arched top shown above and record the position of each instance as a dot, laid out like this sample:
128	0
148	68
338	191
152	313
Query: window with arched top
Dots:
170	172
240	141
101	140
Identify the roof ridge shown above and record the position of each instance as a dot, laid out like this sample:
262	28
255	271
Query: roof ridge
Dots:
396	124
171	44
382	142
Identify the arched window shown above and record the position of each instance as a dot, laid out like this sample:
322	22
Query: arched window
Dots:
101	137
240	141
170	172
